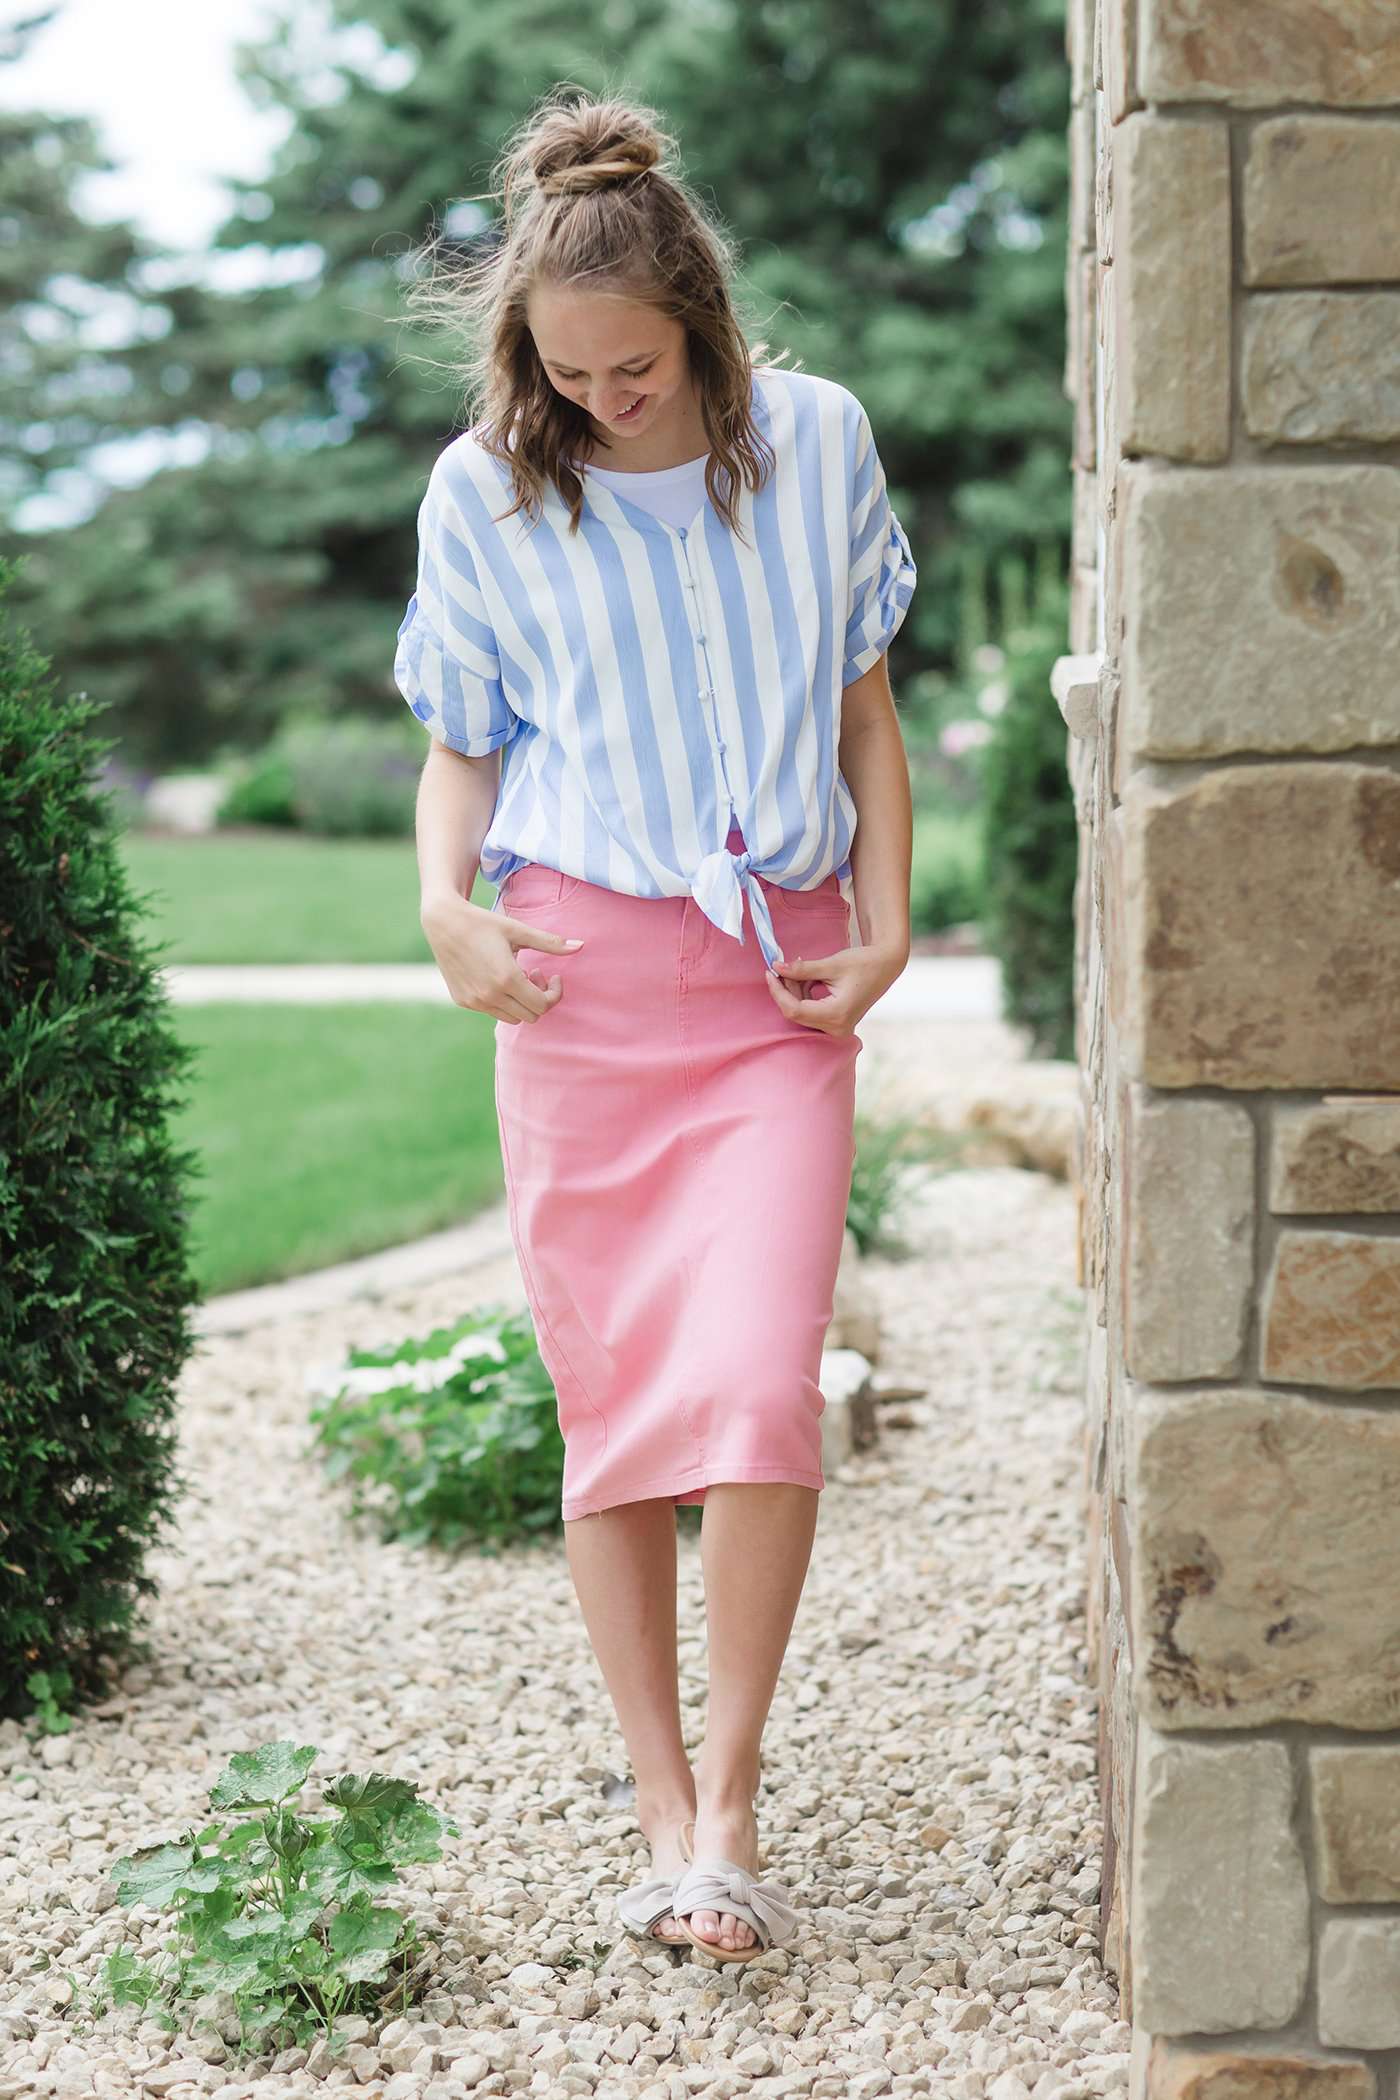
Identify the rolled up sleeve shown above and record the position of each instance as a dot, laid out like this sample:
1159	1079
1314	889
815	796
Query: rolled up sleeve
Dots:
882	571
446	662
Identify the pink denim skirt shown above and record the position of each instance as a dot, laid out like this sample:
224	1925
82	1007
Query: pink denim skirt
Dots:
678	1159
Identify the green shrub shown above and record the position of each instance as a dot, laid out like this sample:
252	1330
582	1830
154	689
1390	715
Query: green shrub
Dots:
341	776
277	1909
1030	842
451	1439
261	790
94	1281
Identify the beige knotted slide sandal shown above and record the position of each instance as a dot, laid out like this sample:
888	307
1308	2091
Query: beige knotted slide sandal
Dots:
651	1899
720	1884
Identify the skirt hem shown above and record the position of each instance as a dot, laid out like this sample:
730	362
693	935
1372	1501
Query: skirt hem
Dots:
684	1482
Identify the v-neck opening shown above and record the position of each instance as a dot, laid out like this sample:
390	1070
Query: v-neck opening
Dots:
598	495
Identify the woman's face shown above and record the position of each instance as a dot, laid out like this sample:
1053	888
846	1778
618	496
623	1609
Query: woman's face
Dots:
624	363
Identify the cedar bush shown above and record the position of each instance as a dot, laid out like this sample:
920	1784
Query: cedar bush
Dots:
94	1282
1030	840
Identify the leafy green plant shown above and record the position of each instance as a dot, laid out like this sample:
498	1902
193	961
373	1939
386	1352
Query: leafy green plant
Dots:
449	1439
95	1286
278	1908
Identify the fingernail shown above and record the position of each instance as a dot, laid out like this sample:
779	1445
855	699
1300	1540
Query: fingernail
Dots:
573	944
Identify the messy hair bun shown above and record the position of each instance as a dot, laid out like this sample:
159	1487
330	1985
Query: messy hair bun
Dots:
576	145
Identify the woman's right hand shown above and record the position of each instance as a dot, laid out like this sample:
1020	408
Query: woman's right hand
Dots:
475	951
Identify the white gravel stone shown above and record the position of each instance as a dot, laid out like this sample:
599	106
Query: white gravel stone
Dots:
946	1862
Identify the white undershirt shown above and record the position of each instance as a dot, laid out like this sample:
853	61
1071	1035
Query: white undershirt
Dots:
674	494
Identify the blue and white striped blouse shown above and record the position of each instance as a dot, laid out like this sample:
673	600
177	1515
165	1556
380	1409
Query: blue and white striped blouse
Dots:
654	684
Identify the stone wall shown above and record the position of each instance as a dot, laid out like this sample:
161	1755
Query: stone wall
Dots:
1232	694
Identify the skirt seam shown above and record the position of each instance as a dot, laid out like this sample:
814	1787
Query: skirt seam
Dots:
681	988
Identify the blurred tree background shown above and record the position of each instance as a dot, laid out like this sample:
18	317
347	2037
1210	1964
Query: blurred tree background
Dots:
895	174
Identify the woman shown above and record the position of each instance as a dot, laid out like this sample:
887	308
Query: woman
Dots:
658	577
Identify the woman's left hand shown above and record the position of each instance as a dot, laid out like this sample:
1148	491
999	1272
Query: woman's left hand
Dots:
844	987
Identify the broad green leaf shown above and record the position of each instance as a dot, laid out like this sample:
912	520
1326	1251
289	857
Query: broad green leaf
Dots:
228	1969
348	1866
390	1812
262	1928
253	1778
362	1940
368	1793
160	1873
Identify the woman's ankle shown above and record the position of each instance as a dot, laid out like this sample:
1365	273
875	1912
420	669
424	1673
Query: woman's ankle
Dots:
726	1803
662	1808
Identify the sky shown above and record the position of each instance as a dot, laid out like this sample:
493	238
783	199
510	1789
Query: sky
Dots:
157	78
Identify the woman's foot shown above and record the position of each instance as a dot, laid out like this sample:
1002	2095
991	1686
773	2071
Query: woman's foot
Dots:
725	1833
669	1837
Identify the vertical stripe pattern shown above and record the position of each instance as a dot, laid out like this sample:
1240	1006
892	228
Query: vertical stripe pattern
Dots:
650	684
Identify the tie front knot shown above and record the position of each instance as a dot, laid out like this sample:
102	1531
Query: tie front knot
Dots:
720	885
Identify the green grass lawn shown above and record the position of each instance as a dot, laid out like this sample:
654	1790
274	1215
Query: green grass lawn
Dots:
331	1131
263	896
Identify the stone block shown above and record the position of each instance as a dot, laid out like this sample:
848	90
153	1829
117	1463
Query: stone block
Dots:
1219	1893
1081	175
1265	609
1331	1311
1079	47
1356	1823
1340	1154
1103	193
1267	1559
1187	1179
1178	2071
1256	52
1259	928
1303	179
1119	34
1358	1983
1171	281
1095	1412
1085	395
1084	513
1322	368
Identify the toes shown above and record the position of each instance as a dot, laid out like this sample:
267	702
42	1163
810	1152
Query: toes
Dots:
723	1928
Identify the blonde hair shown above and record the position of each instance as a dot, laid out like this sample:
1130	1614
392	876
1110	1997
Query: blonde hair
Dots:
590	195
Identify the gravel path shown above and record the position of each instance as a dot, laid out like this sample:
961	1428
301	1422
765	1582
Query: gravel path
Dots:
930	1792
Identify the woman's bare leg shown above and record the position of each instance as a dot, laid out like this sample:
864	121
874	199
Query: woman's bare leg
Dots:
623	1564
755	1546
